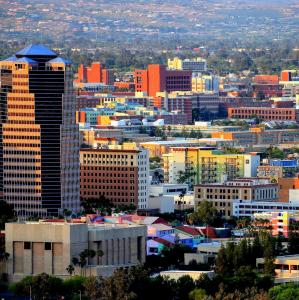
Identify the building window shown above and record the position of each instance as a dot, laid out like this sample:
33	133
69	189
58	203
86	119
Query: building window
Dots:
48	246
27	245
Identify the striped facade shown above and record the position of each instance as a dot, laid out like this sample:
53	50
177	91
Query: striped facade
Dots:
39	151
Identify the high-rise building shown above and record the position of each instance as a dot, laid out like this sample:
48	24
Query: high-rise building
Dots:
159	79
96	73
120	174
39	149
189	103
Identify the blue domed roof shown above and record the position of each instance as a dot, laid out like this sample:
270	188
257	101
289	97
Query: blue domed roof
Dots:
12	58
36	50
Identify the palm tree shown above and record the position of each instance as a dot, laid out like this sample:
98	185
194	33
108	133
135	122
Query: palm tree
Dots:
181	203
75	261
70	269
100	254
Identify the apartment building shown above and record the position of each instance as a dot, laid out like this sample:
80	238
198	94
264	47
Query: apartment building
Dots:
120	173
223	194
207	165
243	208
49	246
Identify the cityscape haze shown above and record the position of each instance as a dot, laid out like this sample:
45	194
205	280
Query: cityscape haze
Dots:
149	149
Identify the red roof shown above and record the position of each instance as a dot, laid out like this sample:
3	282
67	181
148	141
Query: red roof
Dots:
188	230
210	230
163	242
105	139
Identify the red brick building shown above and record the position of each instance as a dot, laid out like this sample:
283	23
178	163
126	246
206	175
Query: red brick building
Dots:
187	102
96	73
121	175
267	86
158	79
265	113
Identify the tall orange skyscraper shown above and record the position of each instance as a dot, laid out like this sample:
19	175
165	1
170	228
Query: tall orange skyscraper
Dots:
39	149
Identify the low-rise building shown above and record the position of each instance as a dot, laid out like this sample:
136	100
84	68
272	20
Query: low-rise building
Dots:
264	113
159	230
195	275
158	148
286	268
222	195
156	245
49	247
172	196
280	223
260	136
245	208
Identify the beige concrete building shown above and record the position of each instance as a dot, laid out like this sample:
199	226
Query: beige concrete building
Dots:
37	247
222	195
286	268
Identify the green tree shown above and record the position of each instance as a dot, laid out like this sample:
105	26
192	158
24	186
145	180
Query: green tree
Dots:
174	256
275	152
221	266
284	292
73	286
205	214
269	267
184	285
42	286
93	287
6	213
197	294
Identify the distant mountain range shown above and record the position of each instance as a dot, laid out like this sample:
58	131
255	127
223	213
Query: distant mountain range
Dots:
139	21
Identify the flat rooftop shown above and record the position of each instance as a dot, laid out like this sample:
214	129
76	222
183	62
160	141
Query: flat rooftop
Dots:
95	226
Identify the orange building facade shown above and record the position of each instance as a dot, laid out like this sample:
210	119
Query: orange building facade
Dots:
95	73
158	79
286	184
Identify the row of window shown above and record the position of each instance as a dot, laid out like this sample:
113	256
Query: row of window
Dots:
109	175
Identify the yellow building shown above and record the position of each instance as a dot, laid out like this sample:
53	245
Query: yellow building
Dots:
195	165
196	64
198	84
